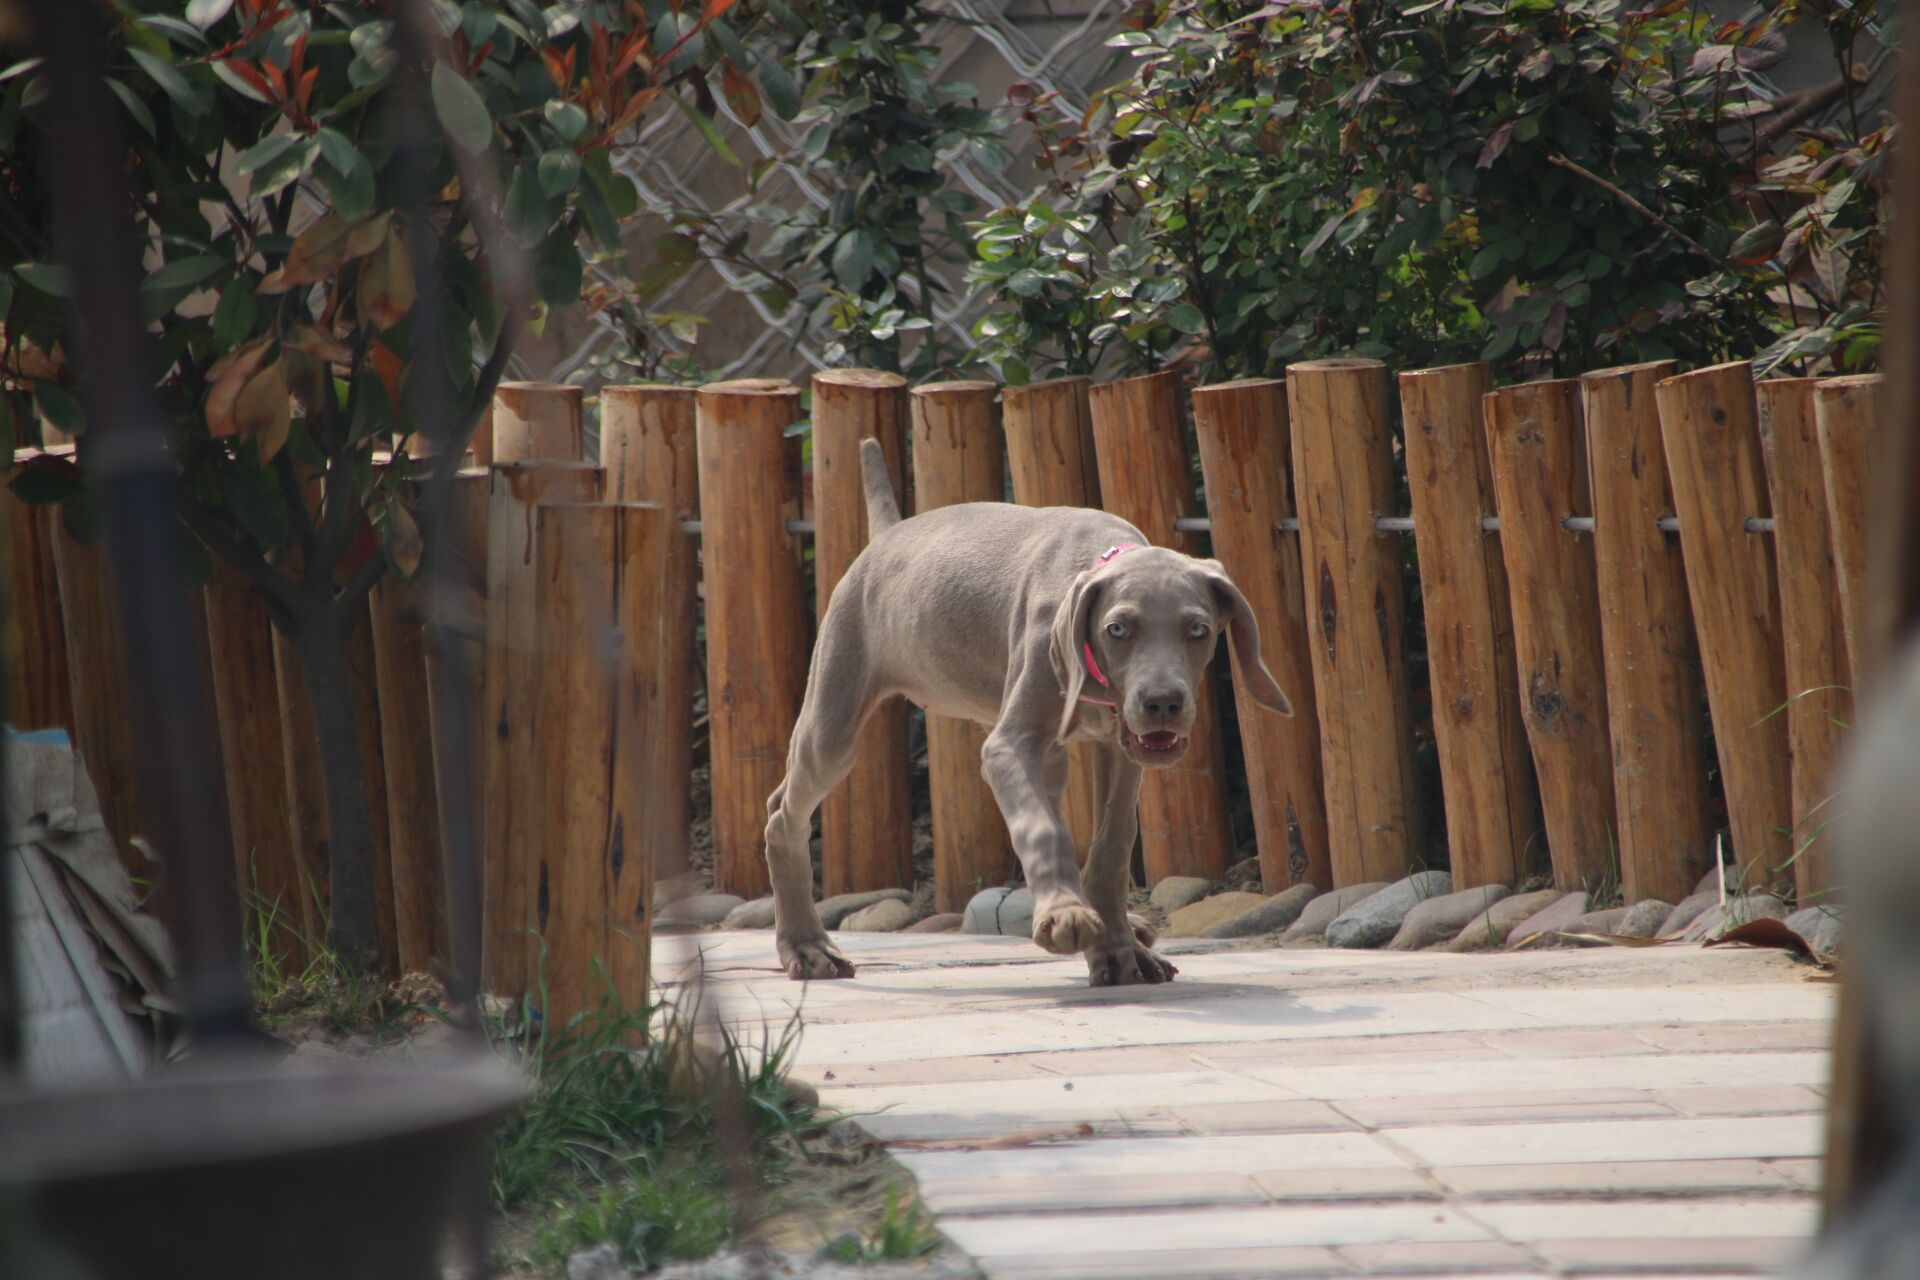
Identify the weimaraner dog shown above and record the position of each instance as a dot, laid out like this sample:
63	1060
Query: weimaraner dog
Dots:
1047	625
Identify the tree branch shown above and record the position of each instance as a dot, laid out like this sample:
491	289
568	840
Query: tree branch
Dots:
1631	203
360	584
303	529
234	549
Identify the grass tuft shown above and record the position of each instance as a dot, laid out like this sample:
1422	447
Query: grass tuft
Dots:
905	1231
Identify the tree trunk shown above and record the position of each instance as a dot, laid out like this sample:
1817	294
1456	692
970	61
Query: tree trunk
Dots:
353	931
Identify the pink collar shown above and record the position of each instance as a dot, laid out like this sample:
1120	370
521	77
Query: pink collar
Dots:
1086	646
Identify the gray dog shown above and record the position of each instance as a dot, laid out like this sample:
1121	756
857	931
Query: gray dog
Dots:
1048	625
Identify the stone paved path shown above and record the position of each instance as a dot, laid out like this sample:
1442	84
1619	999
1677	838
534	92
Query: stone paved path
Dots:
1320	1113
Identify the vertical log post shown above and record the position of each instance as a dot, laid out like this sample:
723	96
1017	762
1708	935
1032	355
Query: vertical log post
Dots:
39	692
466	528
305	790
513	770
756	612
647	449
1539	459
246	701
98	688
866	823
956	458
1486	772
1244	450
1356	617
1646	626
1847	414
537	422
364	683
406	751
602	570
1185	829
1708	424
1051	463
1812	627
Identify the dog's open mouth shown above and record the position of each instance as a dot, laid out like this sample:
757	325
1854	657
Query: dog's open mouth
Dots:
1163	743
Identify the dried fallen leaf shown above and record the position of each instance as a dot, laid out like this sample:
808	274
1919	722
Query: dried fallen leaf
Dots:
1617	939
1766	933
1005	1142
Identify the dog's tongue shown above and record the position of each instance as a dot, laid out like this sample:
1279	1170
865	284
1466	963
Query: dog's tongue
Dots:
1161	741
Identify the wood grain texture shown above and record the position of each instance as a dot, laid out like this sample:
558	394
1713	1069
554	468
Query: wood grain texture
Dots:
306	792
1051	463
648	449
406	751
39	686
757	615
364	681
1847	415
1539	459
1646	626
1185	827
1492	801
537	422
98	688
1712	441
866	823
957	458
1244	455
1356	617
1812	626
460	769
510	689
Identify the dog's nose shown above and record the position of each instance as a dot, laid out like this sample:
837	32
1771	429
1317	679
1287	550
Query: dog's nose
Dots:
1164	705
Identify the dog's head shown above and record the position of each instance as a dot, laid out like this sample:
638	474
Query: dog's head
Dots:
1150	620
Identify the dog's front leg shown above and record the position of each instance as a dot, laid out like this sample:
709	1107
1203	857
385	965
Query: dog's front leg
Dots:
1124	954
1014	765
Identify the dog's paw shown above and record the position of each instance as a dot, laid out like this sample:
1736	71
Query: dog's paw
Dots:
805	958
1143	931
1126	964
1068	930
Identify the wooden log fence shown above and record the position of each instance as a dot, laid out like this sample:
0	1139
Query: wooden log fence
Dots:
1593	554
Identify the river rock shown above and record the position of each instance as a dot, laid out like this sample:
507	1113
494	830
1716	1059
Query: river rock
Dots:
1274	913
1375	919
841	905
692	913
1176	892
1689	909
676	889
945	922
757	914
1738	911
1819	925
1008	912
1194	919
1643	919
889	915
1491	928
1537	930
1321	911
1438	919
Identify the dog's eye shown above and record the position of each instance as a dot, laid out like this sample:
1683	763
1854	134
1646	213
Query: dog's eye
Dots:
1198	631
1118	630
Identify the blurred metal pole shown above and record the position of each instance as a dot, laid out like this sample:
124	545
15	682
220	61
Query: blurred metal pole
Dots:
124	453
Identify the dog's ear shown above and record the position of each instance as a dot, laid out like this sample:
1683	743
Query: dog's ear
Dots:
1243	640
1069	636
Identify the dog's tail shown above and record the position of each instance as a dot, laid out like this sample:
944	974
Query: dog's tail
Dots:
882	511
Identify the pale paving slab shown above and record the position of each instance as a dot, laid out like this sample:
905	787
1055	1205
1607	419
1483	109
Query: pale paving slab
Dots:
1312	1113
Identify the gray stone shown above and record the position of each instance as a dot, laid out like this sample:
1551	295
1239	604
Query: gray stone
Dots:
1194	919
1492	927
757	914
945	922
889	915
1643	919
676	889
837	908
1438	919
1602	922
692	913
1277	912
1321	911
1738	911
1819	925
1374	920
1689	909
1710	882
1176	892
1002	911
602	1262
1537	930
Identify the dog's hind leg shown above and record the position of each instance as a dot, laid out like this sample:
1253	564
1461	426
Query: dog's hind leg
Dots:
840	696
